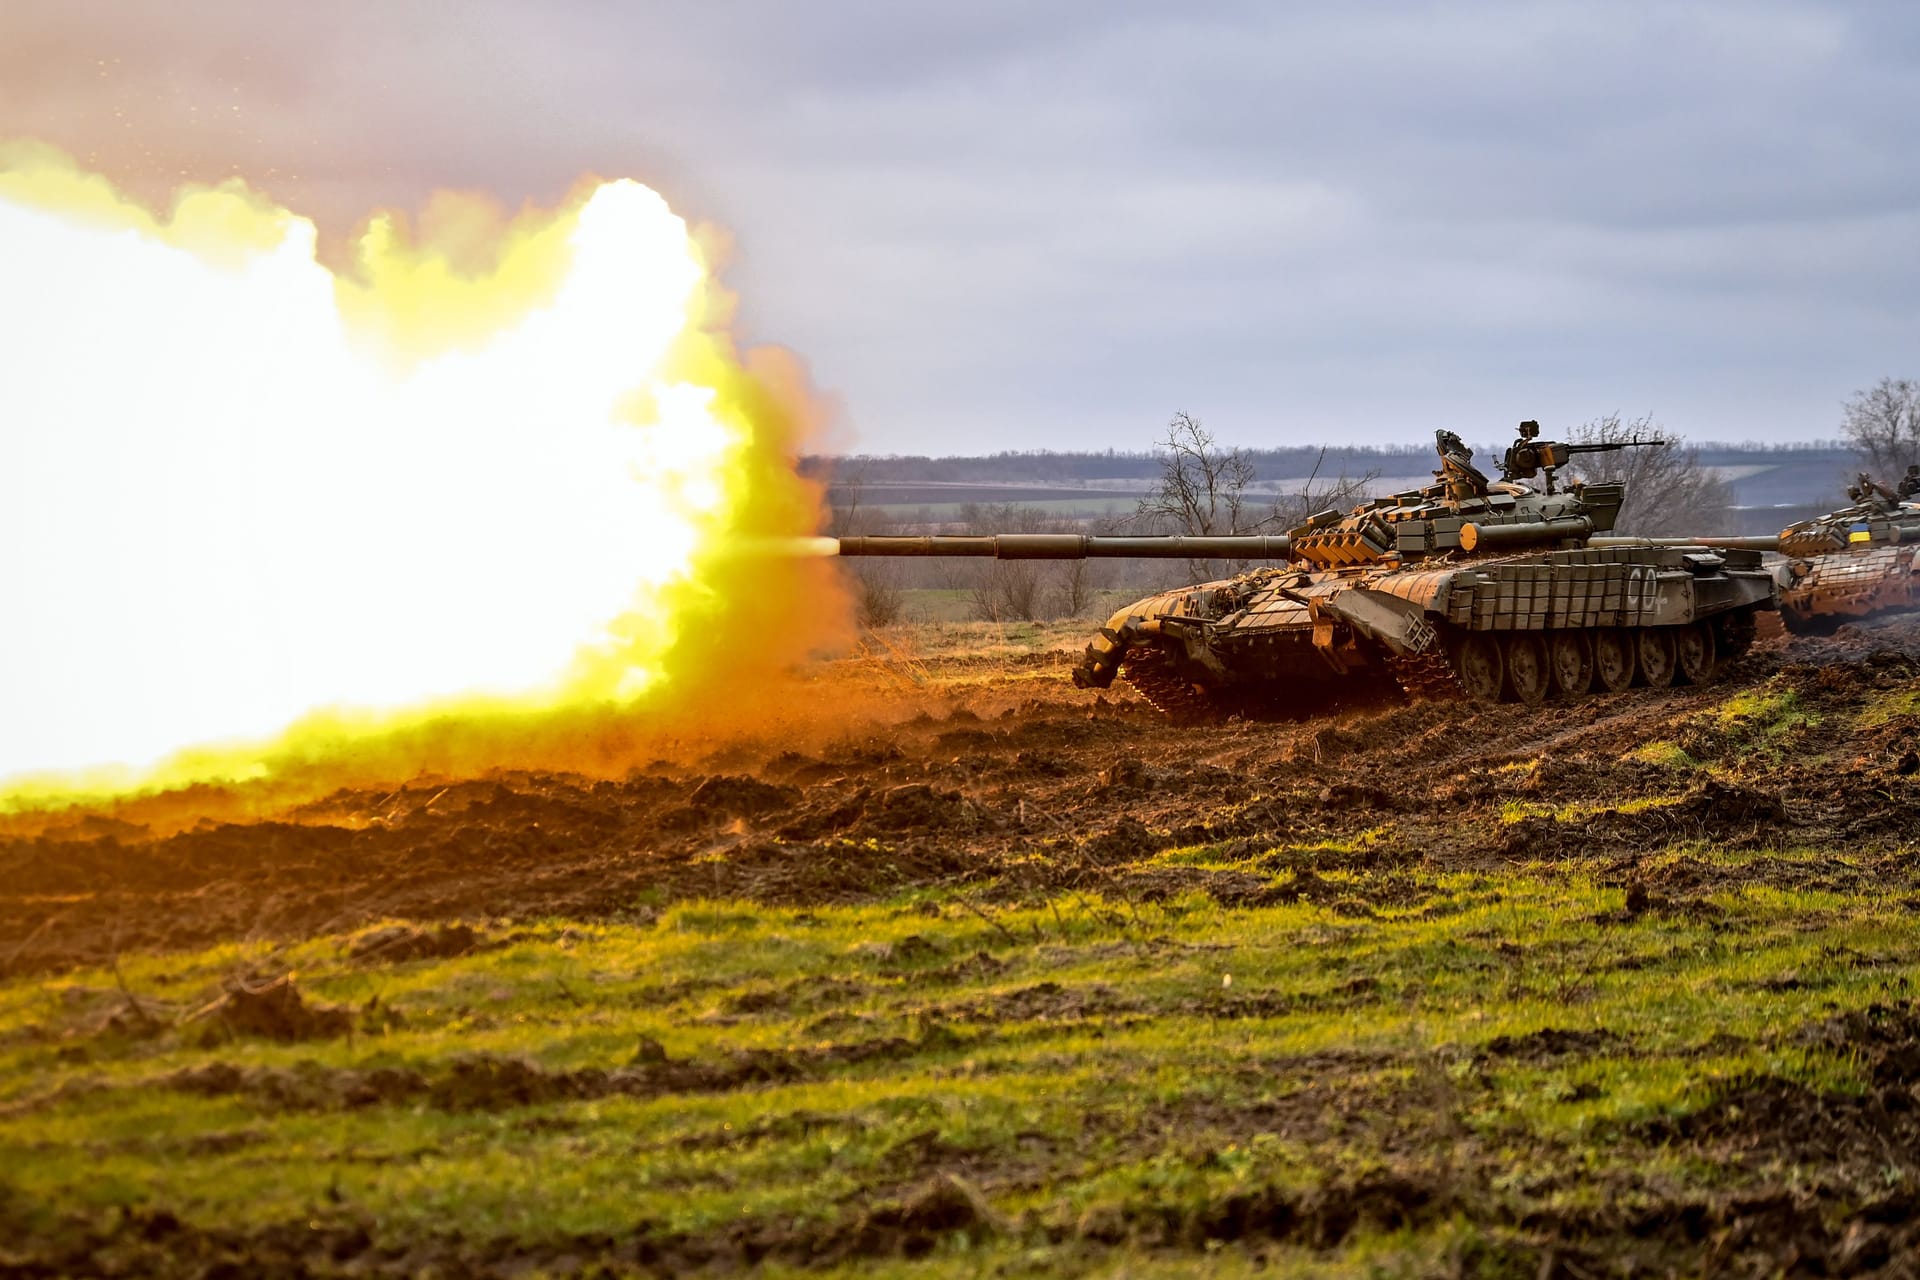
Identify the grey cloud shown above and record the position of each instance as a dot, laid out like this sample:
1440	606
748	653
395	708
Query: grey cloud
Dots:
1005	225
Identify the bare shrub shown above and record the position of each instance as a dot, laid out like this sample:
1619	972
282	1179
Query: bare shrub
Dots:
879	600
1008	591
879	596
1005	590
1202	488
1882	424
1291	509
1205	489
1670	492
1076	589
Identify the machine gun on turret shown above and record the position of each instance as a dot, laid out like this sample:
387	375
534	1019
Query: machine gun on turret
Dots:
1529	456
1867	490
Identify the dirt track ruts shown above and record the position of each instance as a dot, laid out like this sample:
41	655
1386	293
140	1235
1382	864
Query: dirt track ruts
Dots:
1021	782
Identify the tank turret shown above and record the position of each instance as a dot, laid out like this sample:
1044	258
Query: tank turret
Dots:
1463	512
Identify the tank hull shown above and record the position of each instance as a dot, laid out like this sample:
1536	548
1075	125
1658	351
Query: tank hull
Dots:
1521	627
1829	590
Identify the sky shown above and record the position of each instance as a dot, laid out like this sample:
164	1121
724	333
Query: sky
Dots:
1019	225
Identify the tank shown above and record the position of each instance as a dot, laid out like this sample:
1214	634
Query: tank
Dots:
1855	562
1495	590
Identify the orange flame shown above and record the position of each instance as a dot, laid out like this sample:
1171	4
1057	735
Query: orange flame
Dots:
493	470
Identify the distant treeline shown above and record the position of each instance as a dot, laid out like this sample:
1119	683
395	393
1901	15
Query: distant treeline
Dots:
1772	484
1047	467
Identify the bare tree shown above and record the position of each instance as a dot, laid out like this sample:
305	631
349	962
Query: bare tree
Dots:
1882	424
1670	492
1202	488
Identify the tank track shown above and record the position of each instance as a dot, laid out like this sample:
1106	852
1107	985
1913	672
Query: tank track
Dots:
1165	690
1737	631
1427	677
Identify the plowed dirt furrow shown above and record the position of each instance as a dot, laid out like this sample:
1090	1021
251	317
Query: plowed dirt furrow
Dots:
963	780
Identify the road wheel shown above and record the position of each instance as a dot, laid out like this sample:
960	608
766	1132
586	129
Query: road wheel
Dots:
1654	649
1482	673
1612	659
1694	650
1570	663
1527	667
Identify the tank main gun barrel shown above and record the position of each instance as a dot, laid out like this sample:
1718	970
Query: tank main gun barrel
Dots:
1755	542
1073	546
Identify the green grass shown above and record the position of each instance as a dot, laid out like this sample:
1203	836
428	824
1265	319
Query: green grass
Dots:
1890	705
948	629
947	607
1668	755
1512	811
1092	1068
1316	853
1767	724
1764	713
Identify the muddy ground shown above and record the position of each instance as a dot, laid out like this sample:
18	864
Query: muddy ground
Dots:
994	774
994	769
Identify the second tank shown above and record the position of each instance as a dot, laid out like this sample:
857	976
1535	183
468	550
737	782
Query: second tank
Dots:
1853	563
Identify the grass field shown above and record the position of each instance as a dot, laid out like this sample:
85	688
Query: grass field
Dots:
1052	1085
1184	1007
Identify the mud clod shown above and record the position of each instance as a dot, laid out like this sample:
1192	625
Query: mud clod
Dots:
274	1011
945	1206
399	943
918	806
1551	1042
1041	762
1721	804
1531	837
1125	841
1352	795
1126	775
739	796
